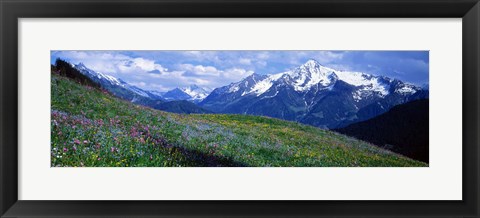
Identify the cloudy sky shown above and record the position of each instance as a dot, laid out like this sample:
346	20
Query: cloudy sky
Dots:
164	70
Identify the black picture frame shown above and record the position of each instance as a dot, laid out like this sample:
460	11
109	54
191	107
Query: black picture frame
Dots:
12	10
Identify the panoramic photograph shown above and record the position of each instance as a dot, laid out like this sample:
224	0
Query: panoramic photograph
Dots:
236	108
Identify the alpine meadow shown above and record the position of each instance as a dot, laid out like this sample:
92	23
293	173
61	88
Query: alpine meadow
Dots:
239	109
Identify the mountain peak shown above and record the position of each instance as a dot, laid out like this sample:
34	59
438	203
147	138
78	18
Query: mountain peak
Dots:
254	76
195	92
311	63
310	74
81	65
194	86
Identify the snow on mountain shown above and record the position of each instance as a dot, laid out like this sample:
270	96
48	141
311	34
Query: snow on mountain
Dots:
157	93
107	80
101	76
195	92
137	90
301	79
176	94
264	85
192	93
367	84
311	74
234	88
406	89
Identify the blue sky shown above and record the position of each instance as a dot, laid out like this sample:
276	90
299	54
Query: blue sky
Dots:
164	70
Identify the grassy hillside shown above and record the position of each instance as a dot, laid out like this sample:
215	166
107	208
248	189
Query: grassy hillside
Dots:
90	127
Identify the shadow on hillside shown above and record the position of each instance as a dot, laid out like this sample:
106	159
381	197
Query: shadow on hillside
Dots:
202	159
183	156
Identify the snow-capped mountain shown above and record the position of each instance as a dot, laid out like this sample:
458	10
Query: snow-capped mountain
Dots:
196	93
96	75
175	94
120	88
152	99
192	93
313	94
115	85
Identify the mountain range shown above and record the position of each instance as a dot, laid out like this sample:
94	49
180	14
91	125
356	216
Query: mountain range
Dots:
311	93
124	90
192	93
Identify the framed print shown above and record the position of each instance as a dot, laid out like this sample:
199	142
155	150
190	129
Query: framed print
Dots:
225	108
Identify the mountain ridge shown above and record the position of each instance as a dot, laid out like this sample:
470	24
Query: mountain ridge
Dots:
313	94
403	129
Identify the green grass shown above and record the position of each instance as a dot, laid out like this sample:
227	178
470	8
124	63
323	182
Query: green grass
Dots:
91	128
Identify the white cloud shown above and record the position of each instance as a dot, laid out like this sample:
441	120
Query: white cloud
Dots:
263	55
245	61
209	76
200	70
136	65
236	74
203	56
261	63
327	58
139	84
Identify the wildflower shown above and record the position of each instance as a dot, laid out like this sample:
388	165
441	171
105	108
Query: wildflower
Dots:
151	157
142	140
99	158
76	141
113	149
74	148
65	149
85	142
100	122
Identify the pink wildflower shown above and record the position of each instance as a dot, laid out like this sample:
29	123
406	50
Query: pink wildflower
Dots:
65	149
